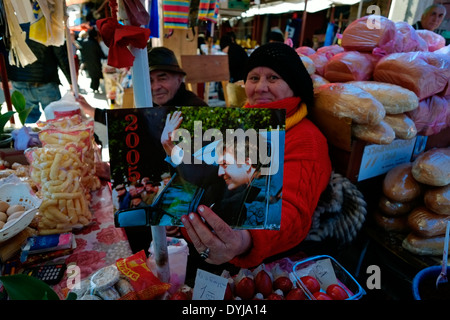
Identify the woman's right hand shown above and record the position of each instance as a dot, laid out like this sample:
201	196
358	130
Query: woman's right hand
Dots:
85	106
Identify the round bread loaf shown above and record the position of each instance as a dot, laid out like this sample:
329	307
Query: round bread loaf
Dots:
424	246
399	184
426	223
433	167
438	200
395	224
395	208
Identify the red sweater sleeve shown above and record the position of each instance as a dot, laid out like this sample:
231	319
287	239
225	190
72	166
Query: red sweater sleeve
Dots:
307	171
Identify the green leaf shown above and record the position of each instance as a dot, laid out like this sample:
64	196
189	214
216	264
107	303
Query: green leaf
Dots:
4	118
24	287
19	103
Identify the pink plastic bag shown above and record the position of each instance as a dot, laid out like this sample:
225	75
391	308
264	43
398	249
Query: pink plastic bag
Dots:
306	51
349	66
432	115
407	39
434	41
424	73
369	33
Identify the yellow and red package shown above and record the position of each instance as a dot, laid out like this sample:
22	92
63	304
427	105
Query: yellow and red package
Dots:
146	285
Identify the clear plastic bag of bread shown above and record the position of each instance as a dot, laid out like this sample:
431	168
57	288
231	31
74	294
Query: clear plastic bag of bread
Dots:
349	66
344	100
434	41
424	73
407	39
368	33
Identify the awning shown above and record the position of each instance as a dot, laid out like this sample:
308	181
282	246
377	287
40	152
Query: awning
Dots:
277	7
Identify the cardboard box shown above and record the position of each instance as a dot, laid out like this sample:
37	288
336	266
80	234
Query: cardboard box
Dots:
356	159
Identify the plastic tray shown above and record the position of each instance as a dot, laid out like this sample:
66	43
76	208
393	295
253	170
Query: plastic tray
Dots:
310	266
22	194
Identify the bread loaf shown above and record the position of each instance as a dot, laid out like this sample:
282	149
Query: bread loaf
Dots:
399	184
344	100
402	125
309	64
438	200
391	224
380	133
426	223
394	208
395	99
349	66
424	246
318	80
433	167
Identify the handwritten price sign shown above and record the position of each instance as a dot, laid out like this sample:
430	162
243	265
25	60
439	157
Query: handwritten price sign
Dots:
209	286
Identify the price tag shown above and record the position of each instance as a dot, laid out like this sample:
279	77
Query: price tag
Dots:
209	286
323	271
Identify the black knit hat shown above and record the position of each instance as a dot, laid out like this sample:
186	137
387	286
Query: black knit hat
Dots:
161	58
285	61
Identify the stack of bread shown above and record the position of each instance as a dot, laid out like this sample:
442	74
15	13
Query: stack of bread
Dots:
392	81
416	201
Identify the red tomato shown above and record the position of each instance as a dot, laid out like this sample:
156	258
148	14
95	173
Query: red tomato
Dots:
296	294
321	296
336	292
311	283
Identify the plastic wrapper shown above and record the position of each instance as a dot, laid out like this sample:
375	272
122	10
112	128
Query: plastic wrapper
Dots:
395	99
407	39
369	33
432	116
66	106
320	61
349	66
304	50
402	125
424	73
380	133
433	167
330	51
309	64
399	184
444	50
57	173
178	252
344	100
433	40
318	80
146	285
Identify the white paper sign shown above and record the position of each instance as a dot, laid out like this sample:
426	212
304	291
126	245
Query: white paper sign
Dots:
379	159
323	271
209	286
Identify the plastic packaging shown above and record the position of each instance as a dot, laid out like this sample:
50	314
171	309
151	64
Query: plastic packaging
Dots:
407	39
433	40
432	116
178	252
349	66
424	73
66	106
325	269
368	33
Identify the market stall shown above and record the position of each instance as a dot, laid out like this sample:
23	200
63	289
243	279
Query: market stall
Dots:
380	126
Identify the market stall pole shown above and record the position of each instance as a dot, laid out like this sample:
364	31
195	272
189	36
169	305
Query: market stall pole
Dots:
6	92
70	55
142	99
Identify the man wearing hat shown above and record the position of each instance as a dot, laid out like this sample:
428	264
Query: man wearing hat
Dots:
166	81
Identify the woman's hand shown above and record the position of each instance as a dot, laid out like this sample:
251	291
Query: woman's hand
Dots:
173	122
223	242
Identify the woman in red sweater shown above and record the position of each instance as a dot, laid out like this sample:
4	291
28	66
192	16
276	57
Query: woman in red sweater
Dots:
276	78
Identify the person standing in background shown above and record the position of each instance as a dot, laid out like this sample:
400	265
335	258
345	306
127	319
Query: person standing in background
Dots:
237	57
431	18
39	82
92	55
